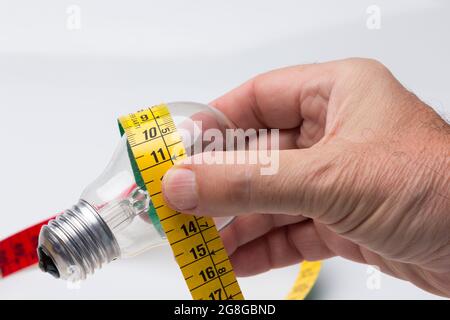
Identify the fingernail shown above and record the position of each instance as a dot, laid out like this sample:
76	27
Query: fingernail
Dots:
180	189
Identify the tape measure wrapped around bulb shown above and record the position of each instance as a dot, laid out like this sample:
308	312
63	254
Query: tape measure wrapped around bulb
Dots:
155	145
123	213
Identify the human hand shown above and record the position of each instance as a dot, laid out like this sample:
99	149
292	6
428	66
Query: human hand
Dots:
364	174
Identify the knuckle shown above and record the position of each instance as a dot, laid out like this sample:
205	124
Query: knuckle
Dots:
243	187
238	186
365	63
367	66
362	74
372	63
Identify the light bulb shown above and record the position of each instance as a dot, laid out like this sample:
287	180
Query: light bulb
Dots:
114	217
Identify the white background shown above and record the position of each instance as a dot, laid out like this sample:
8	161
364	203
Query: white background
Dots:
130	54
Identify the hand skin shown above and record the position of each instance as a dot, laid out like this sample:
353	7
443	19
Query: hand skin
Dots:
364	174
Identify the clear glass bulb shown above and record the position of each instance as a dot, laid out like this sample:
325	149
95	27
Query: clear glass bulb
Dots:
115	217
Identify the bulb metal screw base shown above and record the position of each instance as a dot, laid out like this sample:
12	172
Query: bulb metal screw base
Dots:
76	243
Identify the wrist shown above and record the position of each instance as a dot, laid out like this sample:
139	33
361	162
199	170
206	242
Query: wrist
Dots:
434	173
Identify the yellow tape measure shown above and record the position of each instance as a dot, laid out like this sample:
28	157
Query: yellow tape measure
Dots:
198	249
307	277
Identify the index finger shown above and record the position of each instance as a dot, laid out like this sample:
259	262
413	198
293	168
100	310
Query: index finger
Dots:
274	99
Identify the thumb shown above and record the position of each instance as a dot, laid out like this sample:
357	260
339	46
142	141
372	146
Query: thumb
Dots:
300	185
